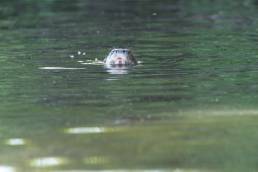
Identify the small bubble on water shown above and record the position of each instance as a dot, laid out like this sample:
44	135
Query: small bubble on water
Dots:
79	53
83	53
154	14
71	56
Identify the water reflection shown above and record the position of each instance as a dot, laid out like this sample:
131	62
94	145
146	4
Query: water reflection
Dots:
112	69
47	162
117	70
15	142
86	130
96	160
7	169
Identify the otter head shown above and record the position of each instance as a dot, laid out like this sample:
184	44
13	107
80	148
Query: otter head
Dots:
120	57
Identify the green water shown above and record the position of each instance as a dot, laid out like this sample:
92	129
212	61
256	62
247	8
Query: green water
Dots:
190	106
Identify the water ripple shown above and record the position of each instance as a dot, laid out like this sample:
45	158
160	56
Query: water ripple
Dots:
60	68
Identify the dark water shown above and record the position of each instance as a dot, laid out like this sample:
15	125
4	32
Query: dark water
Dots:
190	106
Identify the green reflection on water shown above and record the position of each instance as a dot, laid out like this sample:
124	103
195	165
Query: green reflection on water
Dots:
191	105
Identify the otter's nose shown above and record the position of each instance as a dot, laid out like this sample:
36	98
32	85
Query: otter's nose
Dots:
119	60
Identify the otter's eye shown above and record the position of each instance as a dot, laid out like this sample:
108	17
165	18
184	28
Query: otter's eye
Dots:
123	51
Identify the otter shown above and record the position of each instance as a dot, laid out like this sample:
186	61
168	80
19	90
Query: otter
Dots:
120	57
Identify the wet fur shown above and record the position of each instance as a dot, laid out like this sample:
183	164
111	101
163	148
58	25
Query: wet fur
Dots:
126	54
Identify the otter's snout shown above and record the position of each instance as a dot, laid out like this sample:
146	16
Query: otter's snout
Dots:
120	61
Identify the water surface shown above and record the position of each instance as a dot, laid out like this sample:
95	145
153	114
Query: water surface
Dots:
190	106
